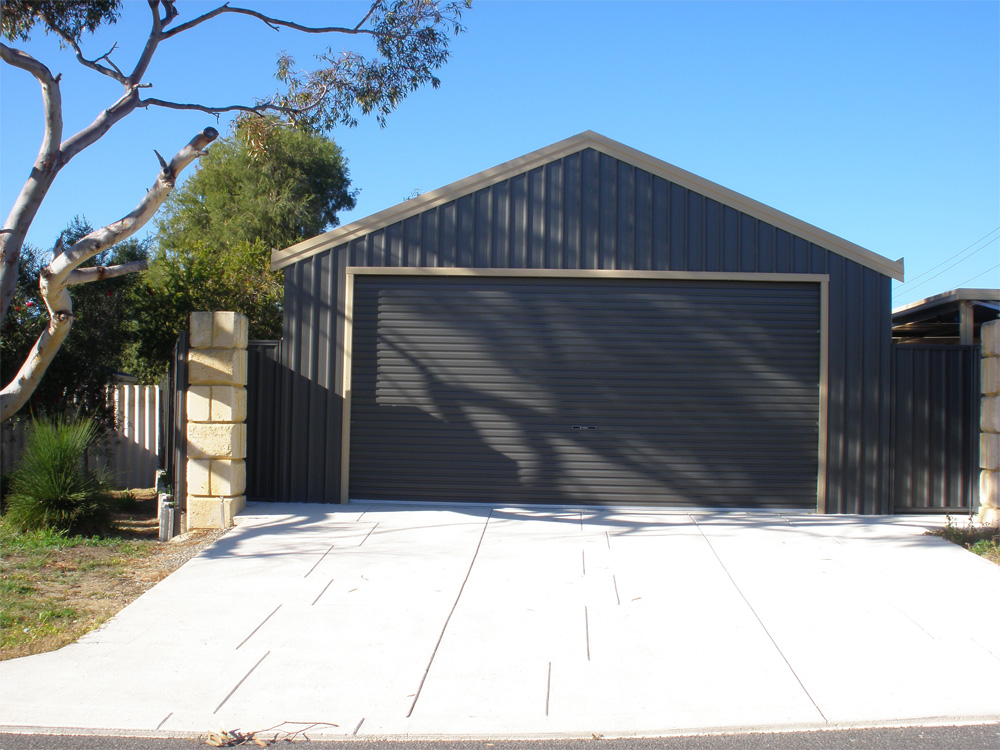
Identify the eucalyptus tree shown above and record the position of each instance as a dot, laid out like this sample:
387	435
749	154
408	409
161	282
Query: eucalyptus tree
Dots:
104	330
410	40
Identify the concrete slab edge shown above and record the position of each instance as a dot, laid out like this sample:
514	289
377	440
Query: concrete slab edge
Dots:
319	735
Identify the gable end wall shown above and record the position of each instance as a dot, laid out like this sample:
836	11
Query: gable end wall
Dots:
588	211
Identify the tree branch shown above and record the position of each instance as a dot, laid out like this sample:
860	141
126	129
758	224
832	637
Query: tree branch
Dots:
274	23
111	72
148	49
19	390
44	171
24	61
101	124
368	15
101	239
63	271
257	109
99	273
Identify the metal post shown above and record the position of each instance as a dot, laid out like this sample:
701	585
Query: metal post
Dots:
965	322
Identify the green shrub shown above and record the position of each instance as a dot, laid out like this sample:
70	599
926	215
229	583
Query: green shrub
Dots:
51	487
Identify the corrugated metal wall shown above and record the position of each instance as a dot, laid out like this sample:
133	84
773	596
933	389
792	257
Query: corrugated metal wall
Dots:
590	211
264	374
935	427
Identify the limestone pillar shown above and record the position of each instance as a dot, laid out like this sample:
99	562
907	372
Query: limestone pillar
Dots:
216	412
989	422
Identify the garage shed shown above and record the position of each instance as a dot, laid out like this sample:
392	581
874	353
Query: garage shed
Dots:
584	324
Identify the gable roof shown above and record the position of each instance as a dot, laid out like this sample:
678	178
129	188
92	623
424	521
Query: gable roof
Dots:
585	140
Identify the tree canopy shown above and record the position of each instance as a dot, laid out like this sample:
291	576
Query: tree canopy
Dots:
292	188
68	18
216	233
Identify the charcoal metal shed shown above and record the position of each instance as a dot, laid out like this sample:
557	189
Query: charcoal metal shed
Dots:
584	324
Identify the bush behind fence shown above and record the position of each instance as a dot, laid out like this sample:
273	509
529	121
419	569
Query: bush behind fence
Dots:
128	456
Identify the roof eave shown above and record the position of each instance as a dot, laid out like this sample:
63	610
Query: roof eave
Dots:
952	295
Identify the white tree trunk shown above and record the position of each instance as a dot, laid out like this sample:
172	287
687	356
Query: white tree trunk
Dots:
64	272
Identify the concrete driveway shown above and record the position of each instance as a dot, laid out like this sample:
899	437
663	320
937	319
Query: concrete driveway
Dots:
387	620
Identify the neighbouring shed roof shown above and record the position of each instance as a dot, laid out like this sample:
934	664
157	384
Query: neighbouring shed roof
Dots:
585	140
940	317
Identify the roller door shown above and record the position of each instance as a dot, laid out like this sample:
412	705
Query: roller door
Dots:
593	391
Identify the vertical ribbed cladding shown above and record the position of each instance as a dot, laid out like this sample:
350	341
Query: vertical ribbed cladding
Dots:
263	410
935	427
590	211
858	435
311	398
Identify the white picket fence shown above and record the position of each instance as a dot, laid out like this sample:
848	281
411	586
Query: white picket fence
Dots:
129	459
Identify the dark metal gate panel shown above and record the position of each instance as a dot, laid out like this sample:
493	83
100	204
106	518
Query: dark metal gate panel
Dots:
935	427
596	391
173	424
264	380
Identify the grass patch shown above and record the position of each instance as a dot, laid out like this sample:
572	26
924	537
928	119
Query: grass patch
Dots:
55	586
46	580
981	540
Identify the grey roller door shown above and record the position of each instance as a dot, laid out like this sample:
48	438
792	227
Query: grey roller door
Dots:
514	390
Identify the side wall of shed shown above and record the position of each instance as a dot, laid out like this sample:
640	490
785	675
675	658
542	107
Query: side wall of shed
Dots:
588	211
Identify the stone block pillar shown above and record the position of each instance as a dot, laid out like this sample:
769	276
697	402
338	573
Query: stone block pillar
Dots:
216	412
989	438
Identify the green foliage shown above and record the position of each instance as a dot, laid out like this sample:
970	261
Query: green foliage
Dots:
286	186
217	230
236	278
988	548
52	488
102	336
952	532
982	540
411	42
71	17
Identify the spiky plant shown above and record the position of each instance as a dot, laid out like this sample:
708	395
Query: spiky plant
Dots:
51	487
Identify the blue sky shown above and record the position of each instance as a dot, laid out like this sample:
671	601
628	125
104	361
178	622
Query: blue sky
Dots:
876	121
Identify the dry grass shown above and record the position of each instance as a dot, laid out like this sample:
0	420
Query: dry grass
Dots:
54	589
982	540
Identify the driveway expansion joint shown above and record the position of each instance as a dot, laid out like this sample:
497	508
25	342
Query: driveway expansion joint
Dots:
454	606
254	631
237	687
760	621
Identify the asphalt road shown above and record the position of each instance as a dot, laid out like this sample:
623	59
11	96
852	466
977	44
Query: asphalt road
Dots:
972	737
